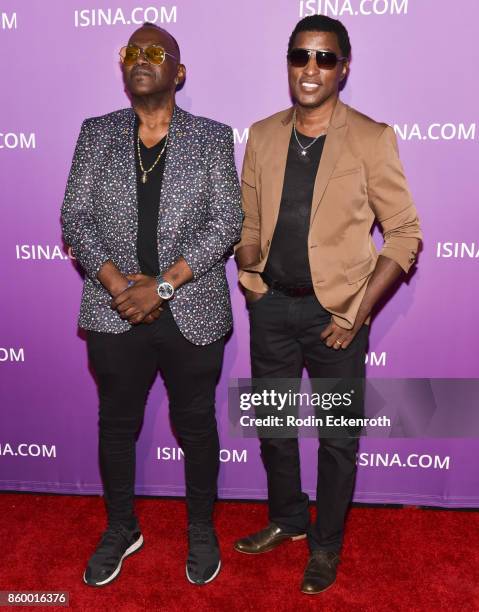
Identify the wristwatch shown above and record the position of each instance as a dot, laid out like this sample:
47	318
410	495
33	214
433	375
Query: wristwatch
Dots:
165	289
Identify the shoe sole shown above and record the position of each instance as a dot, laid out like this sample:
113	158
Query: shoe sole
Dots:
135	547
269	548
217	571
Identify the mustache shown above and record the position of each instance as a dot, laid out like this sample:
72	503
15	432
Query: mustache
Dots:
139	71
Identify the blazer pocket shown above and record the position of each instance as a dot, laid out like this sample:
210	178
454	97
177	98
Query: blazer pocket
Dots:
359	271
347	172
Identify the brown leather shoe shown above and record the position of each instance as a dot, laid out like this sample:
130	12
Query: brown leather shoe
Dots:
320	573
265	540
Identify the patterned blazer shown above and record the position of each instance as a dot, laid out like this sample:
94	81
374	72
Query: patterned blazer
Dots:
200	217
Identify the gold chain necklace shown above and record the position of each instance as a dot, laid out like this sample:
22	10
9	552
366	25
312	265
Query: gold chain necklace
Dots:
144	176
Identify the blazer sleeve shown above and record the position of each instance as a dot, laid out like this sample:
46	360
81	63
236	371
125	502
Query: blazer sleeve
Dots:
391	202
223	225
250	234
77	213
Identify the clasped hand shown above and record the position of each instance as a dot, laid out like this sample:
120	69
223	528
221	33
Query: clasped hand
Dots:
139	303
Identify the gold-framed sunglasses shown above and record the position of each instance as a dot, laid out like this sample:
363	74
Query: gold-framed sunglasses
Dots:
154	54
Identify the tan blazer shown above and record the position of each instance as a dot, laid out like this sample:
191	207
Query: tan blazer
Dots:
359	179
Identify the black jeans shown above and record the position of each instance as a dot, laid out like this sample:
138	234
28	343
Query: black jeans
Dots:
125	366
285	337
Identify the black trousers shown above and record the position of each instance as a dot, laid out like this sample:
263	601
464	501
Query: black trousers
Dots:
285	337
125	366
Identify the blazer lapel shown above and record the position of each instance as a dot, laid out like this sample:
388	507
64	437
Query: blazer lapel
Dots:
123	159
279	155
176	142
331	153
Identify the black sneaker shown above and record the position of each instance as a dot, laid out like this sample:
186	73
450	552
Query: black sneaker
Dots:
116	544
203	563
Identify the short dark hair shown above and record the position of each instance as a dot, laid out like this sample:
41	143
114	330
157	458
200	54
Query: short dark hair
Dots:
149	24
321	23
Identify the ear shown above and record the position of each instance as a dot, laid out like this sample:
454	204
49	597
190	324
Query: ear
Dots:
180	74
344	71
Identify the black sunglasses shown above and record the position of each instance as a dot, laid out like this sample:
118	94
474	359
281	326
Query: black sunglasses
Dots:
299	58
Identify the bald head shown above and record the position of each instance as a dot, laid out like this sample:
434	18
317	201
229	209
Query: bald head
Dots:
159	36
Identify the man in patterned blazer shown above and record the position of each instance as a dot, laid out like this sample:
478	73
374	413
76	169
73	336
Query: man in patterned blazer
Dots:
152	205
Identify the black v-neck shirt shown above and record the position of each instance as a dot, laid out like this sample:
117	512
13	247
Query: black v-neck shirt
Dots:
148	203
288	261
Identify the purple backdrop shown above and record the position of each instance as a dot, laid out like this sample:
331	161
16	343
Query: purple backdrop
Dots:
61	65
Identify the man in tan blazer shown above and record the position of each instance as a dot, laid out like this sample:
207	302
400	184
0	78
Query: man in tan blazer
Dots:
315	179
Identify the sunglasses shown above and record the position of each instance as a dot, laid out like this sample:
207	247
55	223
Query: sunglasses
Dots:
299	58
155	54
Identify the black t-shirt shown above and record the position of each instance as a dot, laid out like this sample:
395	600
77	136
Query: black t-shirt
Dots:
148	204
288	261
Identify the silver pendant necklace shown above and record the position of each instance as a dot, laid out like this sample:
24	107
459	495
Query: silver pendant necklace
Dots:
304	149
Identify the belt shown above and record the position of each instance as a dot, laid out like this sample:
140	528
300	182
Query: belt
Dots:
289	290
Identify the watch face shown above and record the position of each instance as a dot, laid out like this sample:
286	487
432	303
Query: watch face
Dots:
165	290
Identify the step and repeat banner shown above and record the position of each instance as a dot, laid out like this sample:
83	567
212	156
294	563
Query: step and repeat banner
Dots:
413	67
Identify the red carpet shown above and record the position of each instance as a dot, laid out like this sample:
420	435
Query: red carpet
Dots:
394	559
